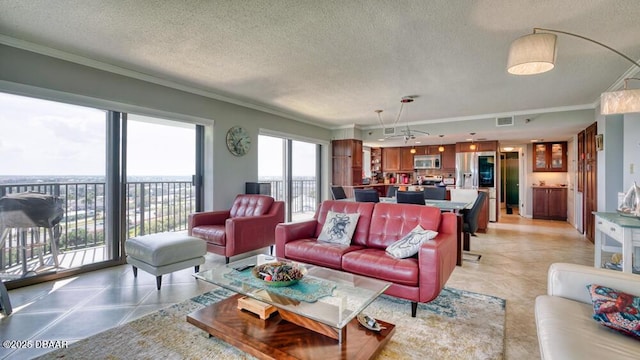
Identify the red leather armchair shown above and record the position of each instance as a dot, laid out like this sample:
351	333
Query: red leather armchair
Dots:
249	225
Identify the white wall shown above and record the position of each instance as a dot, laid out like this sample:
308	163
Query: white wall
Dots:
610	162
631	148
27	73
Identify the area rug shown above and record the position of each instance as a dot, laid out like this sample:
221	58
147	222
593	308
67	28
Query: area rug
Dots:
456	325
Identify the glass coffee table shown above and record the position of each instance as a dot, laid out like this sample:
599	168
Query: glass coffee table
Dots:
316	318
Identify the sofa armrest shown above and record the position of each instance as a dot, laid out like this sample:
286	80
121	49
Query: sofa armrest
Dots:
208	218
436	261
250	232
293	231
570	281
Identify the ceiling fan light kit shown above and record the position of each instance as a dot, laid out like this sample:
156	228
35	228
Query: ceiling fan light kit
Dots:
536	53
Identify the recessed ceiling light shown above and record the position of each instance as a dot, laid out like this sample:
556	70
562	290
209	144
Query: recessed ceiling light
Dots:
380	139
418	142
537	140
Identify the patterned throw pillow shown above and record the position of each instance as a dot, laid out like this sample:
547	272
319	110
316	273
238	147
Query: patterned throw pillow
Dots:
338	228
616	309
410	243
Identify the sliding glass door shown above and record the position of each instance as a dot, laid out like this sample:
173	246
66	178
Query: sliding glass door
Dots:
161	164
107	175
304	180
292	169
58	150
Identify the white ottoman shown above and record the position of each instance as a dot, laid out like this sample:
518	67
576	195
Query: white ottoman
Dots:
163	253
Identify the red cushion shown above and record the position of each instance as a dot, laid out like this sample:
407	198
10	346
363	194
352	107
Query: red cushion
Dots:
347	207
214	234
393	221
376	263
251	205
318	253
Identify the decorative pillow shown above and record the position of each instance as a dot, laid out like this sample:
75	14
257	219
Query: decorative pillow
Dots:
338	228
616	309
410	243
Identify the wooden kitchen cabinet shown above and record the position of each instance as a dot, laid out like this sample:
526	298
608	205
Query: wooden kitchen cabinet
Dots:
347	162
550	203
427	150
550	156
480	146
391	159
406	159
448	158
421	150
433	150
376	162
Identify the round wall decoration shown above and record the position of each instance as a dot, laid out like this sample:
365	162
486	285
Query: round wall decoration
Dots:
238	141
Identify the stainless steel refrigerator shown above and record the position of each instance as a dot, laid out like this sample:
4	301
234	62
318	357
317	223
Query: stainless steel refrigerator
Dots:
478	170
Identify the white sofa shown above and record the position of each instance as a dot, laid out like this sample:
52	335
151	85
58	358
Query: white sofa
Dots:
566	329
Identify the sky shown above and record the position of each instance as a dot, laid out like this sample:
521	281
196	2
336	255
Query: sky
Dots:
271	158
40	137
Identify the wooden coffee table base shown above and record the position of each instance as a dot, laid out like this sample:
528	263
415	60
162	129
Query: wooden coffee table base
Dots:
276	338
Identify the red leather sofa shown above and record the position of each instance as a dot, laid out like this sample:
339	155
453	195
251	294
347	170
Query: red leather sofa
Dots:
249	225
418	279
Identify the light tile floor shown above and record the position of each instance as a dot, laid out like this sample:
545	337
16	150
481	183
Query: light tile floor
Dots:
516	253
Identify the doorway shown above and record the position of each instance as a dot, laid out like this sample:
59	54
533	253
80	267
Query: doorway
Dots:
510	187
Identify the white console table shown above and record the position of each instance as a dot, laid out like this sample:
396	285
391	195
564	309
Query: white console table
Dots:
623	230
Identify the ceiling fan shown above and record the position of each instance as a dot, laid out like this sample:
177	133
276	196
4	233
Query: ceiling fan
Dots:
406	132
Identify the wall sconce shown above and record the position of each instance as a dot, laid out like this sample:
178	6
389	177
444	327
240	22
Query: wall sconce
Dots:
536	53
413	150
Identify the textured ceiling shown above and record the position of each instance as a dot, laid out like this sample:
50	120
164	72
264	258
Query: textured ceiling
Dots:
335	62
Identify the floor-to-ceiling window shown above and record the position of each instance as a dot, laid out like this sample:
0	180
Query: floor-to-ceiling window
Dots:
55	149
161	162
292	169
112	175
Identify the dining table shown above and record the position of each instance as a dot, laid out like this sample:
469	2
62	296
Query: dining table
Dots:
455	207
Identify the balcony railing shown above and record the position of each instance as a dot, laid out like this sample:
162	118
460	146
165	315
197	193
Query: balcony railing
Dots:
303	192
150	207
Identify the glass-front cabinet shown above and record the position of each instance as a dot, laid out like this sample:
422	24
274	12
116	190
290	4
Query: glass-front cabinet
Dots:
550	156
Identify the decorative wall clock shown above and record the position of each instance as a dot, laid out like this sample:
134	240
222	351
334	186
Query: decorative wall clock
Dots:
238	141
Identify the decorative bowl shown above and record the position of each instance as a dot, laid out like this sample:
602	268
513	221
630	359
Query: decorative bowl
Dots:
279	274
369	323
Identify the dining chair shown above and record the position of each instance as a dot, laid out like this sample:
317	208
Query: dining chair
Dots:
366	195
391	191
470	222
464	195
410	197
435	193
338	193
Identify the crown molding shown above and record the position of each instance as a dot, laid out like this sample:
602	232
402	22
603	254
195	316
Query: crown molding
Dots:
528	112
81	60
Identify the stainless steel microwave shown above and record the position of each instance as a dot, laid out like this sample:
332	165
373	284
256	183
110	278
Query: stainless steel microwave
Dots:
426	161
